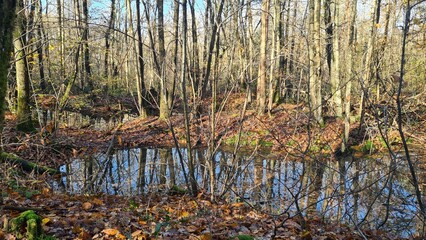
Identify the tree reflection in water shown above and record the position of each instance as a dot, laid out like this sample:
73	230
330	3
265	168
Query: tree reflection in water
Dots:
360	192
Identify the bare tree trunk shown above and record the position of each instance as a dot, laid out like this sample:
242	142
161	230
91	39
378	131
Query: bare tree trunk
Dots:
7	22
41	39
195	63
415	182
111	23
261	80
191	167
315	59
175	52
59	8
368	67
164	109
274	75
336	91
350	75
86	51
22	74
140	82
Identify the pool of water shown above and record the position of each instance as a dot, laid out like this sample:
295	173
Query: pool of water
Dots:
367	192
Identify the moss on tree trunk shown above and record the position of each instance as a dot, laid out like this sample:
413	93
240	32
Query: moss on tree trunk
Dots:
26	165
30	221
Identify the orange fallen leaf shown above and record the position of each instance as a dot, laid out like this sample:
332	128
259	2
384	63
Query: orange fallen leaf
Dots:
111	231
206	236
87	206
192	229
184	214
98	202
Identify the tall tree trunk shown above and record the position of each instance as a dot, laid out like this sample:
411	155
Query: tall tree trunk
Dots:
350	74
41	39
175	52
22	75
261	80
250	51
164	106
336	88
141	67
86	50
274	75
315	59
111	23
7	22
369	59
195	63
329	33
59	8
191	167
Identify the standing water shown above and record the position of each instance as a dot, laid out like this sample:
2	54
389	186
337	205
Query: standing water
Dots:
367	192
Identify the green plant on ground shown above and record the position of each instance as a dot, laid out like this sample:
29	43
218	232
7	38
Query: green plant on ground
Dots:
368	146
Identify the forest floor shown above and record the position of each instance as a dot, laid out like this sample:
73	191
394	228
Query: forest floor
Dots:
288	132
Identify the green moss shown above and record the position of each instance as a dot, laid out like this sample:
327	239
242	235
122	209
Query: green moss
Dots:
29	220
368	146
290	143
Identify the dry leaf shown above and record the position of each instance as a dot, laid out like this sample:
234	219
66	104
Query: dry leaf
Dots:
44	221
87	206
184	214
111	231
206	236
98	202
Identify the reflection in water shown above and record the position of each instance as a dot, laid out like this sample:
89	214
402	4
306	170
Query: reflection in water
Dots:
360	192
79	120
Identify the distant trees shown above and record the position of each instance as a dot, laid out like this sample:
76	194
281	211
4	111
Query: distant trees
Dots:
269	50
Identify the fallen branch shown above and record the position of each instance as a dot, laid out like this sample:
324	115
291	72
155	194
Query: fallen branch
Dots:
21	209
26	165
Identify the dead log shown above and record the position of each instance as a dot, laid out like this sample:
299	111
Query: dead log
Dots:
26	165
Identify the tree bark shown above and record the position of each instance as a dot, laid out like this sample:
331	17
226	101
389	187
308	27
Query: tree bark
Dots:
22	75
111	23
336	88
164	106
141	65
350	74
315	60
7	22
86	50
191	167
261	80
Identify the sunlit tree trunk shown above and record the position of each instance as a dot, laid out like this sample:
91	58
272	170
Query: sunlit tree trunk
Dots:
195	58
111	23
274	75
315	59
59	9
175	51
140	82
350	64
369	58
164	106
262	74
40	47
250	51
183	79
86	50
22	75
336	91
